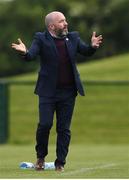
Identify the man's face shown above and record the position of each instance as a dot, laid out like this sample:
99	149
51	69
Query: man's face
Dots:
59	25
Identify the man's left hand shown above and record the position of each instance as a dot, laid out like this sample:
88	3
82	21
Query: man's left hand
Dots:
96	40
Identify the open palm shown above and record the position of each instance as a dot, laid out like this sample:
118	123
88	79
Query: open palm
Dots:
20	47
96	40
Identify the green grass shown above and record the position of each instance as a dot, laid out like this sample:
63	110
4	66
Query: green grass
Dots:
100	126
84	161
113	68
99	117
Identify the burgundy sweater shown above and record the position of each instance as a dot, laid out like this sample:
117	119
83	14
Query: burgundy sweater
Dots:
65	72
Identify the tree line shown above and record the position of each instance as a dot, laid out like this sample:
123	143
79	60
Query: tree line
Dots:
22	18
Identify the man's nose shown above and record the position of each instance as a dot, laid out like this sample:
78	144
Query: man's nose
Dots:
66	24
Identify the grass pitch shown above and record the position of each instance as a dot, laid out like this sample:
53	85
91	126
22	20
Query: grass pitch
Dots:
100	127
84	161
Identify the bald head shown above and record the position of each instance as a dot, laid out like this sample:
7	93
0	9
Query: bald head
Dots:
56	24
52	17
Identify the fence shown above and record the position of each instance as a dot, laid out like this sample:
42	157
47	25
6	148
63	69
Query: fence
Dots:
5	97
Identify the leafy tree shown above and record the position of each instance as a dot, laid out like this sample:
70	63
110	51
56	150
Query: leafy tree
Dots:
22	18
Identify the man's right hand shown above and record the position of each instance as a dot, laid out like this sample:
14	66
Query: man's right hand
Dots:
20	47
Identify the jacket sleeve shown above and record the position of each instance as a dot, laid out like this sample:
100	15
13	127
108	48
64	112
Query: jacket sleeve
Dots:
84	48
34	49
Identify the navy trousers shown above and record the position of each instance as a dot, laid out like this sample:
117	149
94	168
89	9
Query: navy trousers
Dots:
63	104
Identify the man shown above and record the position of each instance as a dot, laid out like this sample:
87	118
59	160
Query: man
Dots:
58	82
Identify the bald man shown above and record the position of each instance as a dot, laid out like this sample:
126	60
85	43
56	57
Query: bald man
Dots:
58	82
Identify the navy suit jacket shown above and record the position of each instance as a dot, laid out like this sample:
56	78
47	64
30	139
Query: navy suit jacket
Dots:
44	46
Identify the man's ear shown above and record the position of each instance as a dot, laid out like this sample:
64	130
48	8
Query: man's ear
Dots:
51	26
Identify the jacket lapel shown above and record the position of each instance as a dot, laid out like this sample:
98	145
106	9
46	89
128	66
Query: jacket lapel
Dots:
51	41
69	49
68	45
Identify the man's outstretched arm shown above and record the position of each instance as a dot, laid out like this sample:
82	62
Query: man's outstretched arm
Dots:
32	52
89	49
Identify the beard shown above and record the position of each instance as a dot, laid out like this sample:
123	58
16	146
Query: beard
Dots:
61	32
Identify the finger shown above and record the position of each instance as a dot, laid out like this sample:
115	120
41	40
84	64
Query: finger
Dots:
97	45
100	42
13	44
20	41
94	34
100	37
14	47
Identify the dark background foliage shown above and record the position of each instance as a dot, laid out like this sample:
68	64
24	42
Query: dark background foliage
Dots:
22	18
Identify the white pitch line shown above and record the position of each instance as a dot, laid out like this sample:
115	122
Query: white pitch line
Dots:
82	170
